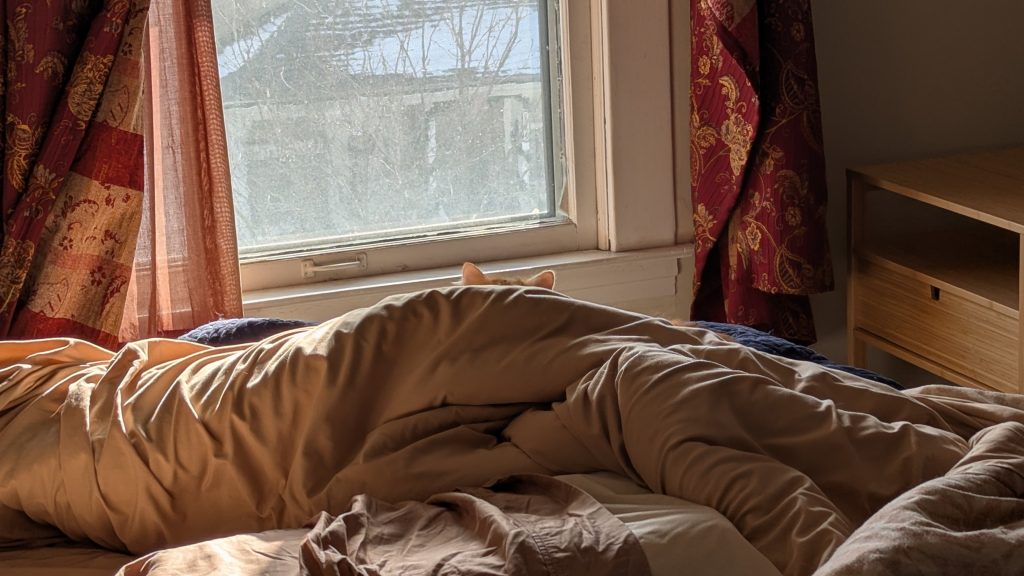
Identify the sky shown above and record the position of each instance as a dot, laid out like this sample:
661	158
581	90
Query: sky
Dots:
383	40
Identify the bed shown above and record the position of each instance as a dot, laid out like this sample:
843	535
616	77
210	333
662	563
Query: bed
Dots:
685	449
673	533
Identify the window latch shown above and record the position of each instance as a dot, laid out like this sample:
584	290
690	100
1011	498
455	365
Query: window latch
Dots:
311	268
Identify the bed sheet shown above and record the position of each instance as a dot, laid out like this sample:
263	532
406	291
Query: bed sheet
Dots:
676	536
71	560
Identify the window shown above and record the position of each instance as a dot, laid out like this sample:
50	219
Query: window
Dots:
358	126
565	137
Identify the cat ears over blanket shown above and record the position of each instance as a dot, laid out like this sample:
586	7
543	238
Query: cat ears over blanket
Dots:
472	275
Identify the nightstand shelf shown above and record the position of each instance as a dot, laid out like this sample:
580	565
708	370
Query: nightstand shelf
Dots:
960	260
935	265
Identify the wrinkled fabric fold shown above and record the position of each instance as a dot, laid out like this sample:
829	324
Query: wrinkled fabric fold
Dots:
168	442
521	526
969	521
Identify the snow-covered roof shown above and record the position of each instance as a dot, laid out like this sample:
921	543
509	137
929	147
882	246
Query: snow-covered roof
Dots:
320	47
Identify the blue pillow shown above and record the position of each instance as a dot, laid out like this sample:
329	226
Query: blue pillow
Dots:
240	330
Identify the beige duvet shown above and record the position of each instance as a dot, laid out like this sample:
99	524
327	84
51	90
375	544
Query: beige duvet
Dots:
167	443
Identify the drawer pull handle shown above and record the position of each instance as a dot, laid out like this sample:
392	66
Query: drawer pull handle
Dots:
936	293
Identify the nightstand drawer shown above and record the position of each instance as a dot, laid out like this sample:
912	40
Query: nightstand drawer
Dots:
943	326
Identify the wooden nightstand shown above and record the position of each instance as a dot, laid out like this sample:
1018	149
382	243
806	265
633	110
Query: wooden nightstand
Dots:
935	265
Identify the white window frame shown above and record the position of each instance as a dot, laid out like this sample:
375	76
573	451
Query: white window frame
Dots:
617	101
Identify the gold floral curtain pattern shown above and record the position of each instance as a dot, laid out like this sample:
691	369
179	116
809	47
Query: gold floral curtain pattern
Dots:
72	165
758	169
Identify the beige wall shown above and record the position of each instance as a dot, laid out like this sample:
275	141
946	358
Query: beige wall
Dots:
906	78
680	39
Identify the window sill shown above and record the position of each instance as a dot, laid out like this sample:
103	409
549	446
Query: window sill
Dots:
655	281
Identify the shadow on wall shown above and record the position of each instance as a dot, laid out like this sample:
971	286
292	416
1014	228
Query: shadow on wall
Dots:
909	79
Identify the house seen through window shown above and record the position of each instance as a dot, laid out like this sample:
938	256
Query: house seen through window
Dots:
360	121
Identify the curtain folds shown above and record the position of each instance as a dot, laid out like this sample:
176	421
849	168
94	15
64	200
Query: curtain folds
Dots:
186	270
72	165
758	169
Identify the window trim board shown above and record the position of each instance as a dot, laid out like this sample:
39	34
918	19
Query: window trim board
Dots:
646	281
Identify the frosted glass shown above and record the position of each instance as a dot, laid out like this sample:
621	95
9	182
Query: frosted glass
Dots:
356	121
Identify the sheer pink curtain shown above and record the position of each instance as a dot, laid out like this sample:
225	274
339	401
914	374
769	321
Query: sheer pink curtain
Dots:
186	270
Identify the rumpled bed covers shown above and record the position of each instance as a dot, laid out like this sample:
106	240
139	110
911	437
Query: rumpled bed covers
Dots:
167	442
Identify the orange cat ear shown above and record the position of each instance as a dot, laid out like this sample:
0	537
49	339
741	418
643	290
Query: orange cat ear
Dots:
545	279
471	275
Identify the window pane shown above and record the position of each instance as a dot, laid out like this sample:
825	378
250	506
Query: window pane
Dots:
355	120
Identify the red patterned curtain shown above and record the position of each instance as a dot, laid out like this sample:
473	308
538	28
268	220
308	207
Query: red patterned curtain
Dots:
758	168
72	165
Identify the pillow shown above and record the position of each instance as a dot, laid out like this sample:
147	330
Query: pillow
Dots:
240	330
